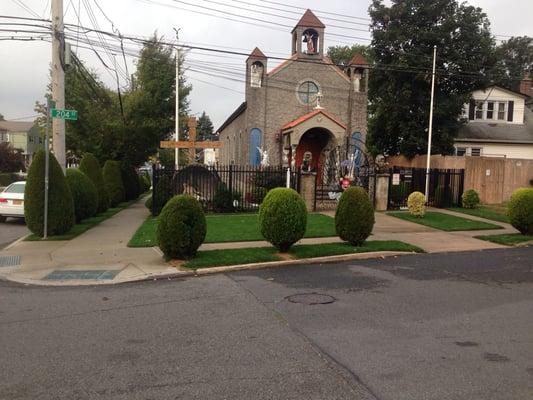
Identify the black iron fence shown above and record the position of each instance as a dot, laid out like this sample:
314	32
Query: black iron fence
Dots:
223	188
445	186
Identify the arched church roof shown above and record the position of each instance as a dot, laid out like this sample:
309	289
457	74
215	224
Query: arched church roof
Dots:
309	20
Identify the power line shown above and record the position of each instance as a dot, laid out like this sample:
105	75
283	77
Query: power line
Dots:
21	4
318	11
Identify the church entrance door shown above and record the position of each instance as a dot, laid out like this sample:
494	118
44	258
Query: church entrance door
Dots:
311	148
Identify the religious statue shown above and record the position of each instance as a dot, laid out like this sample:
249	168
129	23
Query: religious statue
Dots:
256	75
264	157
310	42
357	82
306	162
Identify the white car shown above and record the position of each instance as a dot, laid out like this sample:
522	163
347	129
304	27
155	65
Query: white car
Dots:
12	201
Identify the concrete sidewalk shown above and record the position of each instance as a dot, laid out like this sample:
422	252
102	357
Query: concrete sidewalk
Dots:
101	255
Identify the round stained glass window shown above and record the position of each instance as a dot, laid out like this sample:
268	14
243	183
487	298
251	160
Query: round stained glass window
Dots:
307	92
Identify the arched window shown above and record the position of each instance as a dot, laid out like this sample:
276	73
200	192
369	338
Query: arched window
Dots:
307	92
255	146
256	74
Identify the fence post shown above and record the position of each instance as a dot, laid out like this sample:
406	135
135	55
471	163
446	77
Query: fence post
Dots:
154	183
230	183
288	178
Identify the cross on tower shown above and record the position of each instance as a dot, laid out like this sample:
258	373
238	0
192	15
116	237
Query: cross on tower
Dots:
190	144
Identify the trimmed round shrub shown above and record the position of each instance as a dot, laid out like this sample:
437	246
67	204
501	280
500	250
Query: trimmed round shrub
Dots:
354	216
283	218
113	182
84	194
132	188
162	194
182	227
416	203
520	210
470	199
90	167
60	204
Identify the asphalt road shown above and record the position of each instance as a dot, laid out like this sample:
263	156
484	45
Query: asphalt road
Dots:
11	230
451	326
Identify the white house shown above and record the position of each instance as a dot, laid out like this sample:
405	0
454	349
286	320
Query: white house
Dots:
500	123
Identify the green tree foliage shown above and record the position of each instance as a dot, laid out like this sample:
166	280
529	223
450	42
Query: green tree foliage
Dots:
354	216
204	128
60	204
404	34
89	166
515	57
84	194
182	227
470	199
283	218
342	54
113	182
11	159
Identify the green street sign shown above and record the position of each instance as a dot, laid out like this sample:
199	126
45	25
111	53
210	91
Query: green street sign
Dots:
64	114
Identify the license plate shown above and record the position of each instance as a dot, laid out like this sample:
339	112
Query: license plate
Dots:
17	202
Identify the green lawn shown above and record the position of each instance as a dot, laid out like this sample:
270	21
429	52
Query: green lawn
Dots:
445	222
217	258
507	239
84	225
233	228
332	249
495	214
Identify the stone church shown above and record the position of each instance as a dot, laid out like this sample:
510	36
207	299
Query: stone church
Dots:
305	108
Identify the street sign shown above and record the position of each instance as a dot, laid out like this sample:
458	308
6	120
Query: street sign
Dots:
64	114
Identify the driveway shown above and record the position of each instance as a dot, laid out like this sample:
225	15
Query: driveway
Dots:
11	230
436	326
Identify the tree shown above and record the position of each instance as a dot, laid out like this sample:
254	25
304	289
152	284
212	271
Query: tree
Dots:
403	38
204	128
2	117
515	58
341	55
150	107
11	159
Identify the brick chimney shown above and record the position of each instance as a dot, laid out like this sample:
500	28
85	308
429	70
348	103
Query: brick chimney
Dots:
526	85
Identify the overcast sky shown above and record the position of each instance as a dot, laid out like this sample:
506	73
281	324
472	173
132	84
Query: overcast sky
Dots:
24	65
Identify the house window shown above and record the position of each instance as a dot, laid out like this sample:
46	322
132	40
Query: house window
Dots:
460	151
501	111
4	137
479	110
475	152
490	110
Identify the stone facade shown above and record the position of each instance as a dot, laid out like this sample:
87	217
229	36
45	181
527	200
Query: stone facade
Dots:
274	99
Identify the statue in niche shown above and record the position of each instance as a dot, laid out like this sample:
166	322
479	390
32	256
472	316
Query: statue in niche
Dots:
357	81
256	74
309	39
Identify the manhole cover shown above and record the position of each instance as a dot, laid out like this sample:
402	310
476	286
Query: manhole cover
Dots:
9	261
311	299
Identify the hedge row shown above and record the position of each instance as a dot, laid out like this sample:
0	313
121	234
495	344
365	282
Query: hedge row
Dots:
80	194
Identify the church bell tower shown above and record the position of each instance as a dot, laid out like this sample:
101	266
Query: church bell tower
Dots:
308	37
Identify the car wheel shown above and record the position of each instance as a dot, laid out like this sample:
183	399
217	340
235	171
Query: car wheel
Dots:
2	218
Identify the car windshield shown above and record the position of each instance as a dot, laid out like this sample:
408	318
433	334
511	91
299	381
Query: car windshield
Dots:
15	188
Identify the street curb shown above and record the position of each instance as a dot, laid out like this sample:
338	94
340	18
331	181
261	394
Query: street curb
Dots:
20	239
186	273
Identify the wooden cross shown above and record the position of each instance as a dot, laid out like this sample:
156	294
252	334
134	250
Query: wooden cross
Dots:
190	144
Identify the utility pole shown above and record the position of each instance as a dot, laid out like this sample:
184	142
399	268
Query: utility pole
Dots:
430	130
176	118
58	81
46	166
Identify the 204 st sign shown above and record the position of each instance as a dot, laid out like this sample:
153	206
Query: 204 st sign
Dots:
64	114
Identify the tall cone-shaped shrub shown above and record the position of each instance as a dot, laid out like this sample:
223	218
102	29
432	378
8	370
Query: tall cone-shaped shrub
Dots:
60	203
83	192
113	182
90	167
